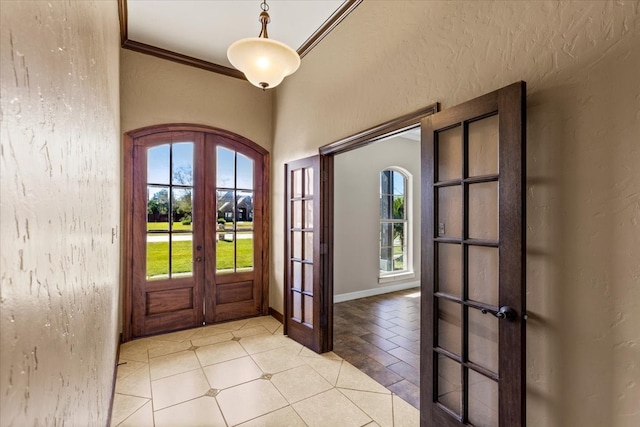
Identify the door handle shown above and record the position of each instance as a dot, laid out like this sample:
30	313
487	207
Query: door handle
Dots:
505	312
199	259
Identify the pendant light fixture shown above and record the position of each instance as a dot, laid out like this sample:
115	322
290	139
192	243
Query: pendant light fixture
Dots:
265	62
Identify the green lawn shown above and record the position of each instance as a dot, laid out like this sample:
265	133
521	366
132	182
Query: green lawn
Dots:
165	226
158	256
179	226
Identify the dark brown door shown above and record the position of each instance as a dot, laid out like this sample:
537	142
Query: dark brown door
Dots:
473	299
305	321
198	230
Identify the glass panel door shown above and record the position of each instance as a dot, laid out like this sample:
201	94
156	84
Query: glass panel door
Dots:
167	230
198	229
473	287
302	304
234	280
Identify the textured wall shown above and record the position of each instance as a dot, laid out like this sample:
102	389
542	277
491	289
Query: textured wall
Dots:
59	211
581	61
357	212
155	91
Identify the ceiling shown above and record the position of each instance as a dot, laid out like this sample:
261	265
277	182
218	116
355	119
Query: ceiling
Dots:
198	32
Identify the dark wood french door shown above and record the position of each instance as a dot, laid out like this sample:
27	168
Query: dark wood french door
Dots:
473	256
198	228
306	310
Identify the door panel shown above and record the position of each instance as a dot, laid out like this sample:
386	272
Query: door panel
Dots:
473	305
303	299
166	291
234	220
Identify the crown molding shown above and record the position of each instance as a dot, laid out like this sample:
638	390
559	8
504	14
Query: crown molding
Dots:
158	52
182	59
328	26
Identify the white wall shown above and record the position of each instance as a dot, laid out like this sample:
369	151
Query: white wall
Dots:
59	211
357	216
581	62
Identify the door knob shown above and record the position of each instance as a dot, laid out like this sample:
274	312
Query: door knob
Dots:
505	312
198	259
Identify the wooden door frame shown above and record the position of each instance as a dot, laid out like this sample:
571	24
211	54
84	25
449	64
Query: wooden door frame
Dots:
126	273
327	154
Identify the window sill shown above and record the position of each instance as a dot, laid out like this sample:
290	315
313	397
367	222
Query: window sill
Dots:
396	277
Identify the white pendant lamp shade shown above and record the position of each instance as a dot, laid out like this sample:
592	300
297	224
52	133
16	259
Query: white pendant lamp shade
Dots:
265	62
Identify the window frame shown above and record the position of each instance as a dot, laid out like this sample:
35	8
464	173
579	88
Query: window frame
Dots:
408	270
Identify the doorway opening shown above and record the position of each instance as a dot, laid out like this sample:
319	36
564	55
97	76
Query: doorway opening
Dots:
376	261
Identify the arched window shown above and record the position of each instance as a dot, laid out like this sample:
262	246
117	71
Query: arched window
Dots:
395	226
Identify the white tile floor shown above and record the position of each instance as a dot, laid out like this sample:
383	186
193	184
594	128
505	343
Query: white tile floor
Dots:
246	373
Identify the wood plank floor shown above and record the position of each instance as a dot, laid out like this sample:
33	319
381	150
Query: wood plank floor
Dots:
380	335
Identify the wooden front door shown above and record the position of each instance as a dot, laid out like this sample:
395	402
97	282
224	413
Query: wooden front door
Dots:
198	227
473	256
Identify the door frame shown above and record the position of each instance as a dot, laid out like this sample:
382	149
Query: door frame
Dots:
327	153
126	249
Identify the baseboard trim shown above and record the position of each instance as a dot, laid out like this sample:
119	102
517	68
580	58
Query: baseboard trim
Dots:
115	377
375	291
276	315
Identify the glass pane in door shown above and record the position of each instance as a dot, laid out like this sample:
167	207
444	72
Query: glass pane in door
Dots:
181	209
483	400
182	163
483	211
483	274
157	256
245	172
169	210
449	381
235	210
450	154
244	251
450	326
483	340
225	167
450	269
450	212
158	164
483	146
182	255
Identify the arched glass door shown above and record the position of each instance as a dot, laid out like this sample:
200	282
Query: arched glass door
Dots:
197	230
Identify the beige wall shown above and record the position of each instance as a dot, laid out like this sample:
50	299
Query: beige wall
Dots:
357	216
59	211
581	61
155	91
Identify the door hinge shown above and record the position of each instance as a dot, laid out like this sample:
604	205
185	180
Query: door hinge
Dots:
324	176
324	248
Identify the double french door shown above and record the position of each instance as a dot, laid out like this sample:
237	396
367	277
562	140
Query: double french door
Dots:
198	228
472	259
